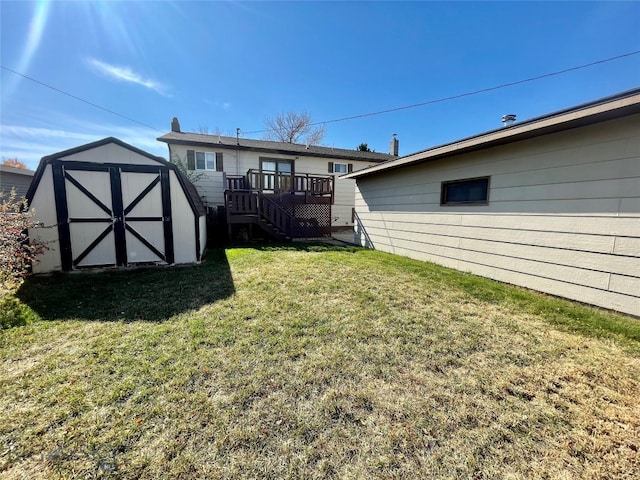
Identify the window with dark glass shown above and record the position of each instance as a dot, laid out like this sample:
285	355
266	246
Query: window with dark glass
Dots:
469	191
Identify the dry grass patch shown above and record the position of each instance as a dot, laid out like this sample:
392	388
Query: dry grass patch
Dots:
335	363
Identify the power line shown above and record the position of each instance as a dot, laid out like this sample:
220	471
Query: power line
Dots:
362	115
81	99
467	94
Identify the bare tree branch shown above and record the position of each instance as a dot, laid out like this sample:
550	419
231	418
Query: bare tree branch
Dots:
292	127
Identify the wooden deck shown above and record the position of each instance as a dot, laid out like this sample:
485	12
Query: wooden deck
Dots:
285	206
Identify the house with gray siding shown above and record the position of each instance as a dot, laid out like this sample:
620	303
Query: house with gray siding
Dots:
271	184
16	178
551	204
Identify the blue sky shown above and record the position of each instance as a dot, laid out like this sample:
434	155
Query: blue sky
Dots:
223	65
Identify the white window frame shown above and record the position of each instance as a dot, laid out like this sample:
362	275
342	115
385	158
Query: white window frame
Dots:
207	156
339	170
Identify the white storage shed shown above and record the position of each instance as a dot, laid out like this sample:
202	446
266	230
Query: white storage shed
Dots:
109	204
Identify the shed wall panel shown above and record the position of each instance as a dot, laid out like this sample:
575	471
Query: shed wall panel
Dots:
110	153
44	205
184	239
202	221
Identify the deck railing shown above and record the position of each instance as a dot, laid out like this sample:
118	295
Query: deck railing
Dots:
279	182
241	202
237	182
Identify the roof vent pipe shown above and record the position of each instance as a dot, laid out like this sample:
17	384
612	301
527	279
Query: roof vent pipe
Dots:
508	119
175	125
394	145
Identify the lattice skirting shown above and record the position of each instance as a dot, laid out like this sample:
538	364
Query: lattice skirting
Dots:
312	219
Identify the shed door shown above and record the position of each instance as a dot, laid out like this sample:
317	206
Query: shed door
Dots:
113	215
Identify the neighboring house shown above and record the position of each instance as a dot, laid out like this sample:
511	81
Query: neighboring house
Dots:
552	204
109	204
17	178
290	190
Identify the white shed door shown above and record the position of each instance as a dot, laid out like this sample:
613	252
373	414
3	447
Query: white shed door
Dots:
113	215
91	218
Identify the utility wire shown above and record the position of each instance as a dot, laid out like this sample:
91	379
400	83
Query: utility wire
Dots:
362	115
81	99
468	94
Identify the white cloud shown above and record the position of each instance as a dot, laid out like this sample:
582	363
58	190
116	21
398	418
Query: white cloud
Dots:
126	74
218	104
30	144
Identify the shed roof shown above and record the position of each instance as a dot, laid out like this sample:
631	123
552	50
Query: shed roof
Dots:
190	191
615	106
267	146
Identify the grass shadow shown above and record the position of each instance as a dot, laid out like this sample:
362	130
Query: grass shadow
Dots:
151	294
300	246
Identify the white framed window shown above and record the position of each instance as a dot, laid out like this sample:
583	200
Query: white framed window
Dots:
204	160
340	168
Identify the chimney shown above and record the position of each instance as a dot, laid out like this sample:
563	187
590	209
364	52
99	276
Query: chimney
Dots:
394	144
508	119
175	125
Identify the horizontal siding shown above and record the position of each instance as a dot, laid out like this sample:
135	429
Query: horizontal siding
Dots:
607	299
563	215
590	224
571	241
20	183
210	186
627	246
526	246
344	200
600	206
607	160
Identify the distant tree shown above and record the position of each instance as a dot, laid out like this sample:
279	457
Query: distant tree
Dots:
204	130
292	127
363	147
13	162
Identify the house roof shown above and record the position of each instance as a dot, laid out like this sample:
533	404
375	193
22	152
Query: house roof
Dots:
192	195
267	146
615	106
16	170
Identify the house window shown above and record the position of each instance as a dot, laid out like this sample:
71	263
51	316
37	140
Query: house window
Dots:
204	160
470	191
340	168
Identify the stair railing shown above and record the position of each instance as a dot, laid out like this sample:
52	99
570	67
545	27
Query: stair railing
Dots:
274	214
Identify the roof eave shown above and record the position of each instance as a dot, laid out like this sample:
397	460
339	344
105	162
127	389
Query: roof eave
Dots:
565	120
280	151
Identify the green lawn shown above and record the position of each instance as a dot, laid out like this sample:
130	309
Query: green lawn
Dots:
314	362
